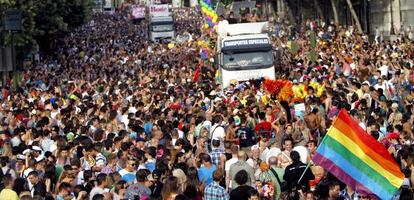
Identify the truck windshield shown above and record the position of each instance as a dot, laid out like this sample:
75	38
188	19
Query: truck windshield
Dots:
247	60
161	28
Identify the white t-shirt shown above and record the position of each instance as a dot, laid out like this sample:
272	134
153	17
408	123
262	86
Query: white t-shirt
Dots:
229	163
94	191
384	70
218	132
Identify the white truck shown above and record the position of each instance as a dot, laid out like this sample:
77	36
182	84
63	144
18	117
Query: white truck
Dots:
108	7
161	24
244	52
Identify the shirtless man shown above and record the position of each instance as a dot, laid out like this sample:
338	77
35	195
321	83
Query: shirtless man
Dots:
314	122
283	159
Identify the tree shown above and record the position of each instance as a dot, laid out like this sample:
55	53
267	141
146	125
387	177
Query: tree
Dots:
355	16
45	20
318	9
335	12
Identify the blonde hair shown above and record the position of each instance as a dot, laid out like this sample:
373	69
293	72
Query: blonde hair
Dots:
7	150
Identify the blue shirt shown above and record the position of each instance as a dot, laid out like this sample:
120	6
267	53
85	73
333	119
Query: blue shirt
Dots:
147	127
150	165
127	176
206	174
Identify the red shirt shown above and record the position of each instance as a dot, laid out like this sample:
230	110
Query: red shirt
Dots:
263	126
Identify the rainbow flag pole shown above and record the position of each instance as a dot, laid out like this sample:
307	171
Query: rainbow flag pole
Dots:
358	160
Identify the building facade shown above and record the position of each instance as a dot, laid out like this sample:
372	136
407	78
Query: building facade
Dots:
391	16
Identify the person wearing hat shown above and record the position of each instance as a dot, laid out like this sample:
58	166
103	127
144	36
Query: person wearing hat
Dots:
36	152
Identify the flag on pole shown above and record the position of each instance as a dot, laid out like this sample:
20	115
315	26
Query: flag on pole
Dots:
358	160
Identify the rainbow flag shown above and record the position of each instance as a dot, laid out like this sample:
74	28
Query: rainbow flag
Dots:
358	160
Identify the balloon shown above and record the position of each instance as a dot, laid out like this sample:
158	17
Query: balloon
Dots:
214	20
203	55
199	43
206	26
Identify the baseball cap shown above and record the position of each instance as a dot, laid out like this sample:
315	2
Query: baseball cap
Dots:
366	83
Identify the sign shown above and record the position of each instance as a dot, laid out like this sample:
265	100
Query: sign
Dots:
159	10
138	12
300	110
184	38
238	6
235	43
13	20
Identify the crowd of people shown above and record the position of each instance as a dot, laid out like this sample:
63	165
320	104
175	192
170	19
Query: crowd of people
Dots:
111	115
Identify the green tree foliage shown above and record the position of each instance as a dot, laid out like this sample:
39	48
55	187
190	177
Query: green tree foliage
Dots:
45	20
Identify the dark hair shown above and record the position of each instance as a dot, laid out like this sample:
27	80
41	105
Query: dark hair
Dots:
101	178
216	119
313	142
181	197
141	175
252	192
294	155
4	161
215	142
205	157
262	115
192	176
64	185
171	186
20	185
87	174
98	197
241	177
34	173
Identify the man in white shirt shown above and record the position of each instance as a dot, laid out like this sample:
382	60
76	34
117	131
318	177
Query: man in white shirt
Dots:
100	188
217	131
234	159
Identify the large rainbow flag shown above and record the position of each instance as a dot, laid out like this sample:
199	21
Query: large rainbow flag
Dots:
358	160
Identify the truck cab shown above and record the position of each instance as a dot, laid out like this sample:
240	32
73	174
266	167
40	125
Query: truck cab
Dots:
161	23
244	52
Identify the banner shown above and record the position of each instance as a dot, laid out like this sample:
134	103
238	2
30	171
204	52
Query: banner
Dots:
159	10
138	12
